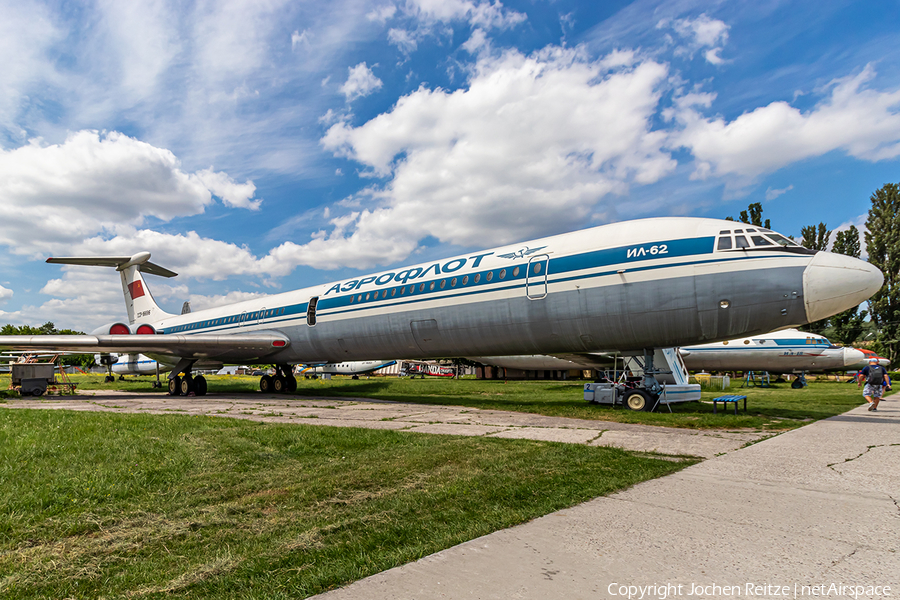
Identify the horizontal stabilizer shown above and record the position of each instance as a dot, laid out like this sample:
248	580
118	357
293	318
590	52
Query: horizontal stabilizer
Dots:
142	260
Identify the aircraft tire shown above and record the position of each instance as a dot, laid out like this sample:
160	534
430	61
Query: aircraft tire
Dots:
187	385
796	383
175	386
265	384
637	400
291	384
279	384
200	385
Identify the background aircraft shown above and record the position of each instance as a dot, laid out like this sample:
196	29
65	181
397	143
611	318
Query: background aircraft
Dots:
413	368
632	286
353	367
785	351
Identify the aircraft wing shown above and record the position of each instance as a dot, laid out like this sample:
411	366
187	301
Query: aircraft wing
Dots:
226	348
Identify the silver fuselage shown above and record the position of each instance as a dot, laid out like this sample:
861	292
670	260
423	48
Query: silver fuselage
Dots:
788	351
627	286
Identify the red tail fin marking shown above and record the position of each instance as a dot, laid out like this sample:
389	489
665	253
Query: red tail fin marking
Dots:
136	289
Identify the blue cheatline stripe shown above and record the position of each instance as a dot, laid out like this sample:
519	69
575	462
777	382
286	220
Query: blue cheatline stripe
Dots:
803	343
348	303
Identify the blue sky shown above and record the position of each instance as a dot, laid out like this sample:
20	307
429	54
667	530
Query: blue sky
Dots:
258	147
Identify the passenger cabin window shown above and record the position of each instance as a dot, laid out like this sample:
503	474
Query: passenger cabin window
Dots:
311	311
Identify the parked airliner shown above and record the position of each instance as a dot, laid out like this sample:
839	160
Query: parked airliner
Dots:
635	285
351	367
786	351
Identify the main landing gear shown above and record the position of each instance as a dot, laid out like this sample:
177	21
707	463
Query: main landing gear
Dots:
282	382
186	385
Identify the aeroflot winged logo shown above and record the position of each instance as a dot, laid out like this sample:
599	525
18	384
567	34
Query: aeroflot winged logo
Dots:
405	275
521	253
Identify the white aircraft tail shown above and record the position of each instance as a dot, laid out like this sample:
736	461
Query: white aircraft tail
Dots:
138	300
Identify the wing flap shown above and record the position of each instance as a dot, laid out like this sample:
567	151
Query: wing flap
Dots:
237	347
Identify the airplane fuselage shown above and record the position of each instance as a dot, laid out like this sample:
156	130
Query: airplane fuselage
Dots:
789	351
627	286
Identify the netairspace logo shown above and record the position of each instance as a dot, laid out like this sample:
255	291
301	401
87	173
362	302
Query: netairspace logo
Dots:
664	591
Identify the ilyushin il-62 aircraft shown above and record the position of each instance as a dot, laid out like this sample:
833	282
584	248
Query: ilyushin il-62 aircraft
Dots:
634	286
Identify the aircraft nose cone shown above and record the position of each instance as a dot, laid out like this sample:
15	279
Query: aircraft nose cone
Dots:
833	283
854	359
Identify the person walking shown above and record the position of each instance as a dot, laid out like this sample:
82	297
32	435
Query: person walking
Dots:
876	379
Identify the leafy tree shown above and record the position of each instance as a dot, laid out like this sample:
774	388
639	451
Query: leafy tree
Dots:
815	238
753	216
848	325
883	245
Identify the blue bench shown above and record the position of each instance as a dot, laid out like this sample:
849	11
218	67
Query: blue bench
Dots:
726	399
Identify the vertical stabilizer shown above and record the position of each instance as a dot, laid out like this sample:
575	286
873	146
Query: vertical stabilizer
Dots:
138	300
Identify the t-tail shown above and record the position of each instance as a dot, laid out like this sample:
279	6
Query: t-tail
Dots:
138	300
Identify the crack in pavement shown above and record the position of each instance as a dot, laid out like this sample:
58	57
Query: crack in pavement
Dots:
861	454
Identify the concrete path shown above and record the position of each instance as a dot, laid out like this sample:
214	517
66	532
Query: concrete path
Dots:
818	506
423	418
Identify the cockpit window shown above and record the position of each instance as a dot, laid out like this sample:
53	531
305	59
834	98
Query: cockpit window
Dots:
757	238
781	240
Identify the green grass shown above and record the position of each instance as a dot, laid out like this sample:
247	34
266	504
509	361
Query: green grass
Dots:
140	506
776	408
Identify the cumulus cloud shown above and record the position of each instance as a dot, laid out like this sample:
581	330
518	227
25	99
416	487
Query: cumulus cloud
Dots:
95	183
5	294
232	193
201	302
534	142
701	34
864	123
361	82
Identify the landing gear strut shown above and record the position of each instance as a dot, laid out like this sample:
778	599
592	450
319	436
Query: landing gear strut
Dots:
282	382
